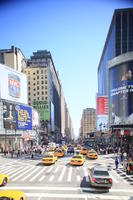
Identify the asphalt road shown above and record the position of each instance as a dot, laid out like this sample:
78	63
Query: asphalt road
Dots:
62	181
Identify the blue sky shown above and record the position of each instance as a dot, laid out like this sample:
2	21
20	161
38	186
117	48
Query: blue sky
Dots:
74	31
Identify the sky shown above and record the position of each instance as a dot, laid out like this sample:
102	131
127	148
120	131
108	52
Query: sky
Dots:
74	31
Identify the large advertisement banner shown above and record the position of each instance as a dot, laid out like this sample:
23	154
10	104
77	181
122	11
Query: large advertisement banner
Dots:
35	118
43	107
121	94
102	113
9	115
13	85
24	117
17	116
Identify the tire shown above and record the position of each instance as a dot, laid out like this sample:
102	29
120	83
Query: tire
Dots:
4	182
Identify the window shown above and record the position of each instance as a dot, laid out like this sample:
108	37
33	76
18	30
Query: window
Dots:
42	82
34	89
38	98
29	82
37	71
42	98
46	98
29	93
46	92
37	77
45	82
42	77
29	98
42	93
42	71
28	88
34	95
37	82
42	87
34	84
38	93
34	79
37	87
34	73
45	77
46	87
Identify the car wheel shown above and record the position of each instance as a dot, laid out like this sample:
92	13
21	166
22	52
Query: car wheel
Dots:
4	182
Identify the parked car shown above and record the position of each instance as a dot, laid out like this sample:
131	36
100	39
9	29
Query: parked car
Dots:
99	177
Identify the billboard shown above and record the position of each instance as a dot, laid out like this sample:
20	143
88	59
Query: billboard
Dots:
121	94
43	107
13	85
24	117
102	112
9	115
35	118
17	117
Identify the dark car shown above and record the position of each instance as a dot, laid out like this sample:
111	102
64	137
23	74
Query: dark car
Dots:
70	150
99	177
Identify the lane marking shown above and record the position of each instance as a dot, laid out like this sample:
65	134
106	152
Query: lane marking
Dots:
86	174
114	179
120	177
56	170
41	179
69	174
34	177
78	178
49	170
62	174
21	175
51	178
18	171
30	174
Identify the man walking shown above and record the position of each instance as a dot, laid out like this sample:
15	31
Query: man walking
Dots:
116	163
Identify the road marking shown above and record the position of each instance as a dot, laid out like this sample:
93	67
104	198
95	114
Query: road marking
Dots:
7	170
56	170
30	173
69	175
51	178
78	178
21	175
41	179
114	179
62	174
120	177
86	174
49	170
18	171
34	177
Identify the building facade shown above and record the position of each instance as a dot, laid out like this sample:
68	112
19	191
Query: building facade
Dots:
115	74
44	86
88	122
13	58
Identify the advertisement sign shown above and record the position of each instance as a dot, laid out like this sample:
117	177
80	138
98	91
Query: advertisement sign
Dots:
13	85
121	94
102	113
9	115
24	117
43	107
35	118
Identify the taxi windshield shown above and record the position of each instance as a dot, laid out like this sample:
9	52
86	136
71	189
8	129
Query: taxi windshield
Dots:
78	157
48	156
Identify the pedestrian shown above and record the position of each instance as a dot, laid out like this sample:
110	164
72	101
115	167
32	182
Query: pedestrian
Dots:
116	163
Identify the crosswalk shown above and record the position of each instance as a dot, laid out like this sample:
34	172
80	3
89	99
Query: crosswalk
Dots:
53	173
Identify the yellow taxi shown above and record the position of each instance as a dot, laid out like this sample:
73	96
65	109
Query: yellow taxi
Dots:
77	160
84	151
59	153
92	154
51	149
49	159
12	195
3	179
79	147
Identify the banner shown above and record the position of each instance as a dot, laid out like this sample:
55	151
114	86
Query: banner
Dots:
13	85
24	117
9	115
43	108
121	94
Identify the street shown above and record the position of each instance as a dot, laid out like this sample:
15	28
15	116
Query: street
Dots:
62	181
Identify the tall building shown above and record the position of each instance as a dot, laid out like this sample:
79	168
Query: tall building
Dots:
44	88
13	58
88	122
115	73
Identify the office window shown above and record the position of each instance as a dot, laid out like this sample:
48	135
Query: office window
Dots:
34	73
37	87
34	89
38	98
42	98
42	82
46	87
34	79
42	87
46	98
37	77
42	71
37	82
29	93
34	84
37	71
34	95
28	88
37	93
46	92
42	93
42	77
29	98
45	82
29	82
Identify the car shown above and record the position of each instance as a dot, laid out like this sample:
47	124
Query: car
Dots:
84	151
70	150
51	149
12	195
99	177
59	153
3	179
79	147
92	154
49	159
77	160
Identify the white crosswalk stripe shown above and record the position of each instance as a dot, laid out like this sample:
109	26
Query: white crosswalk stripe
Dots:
26	177
42	178
22	174
19	171
51	178
34	177
62	174
78	178
69	174
56	170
